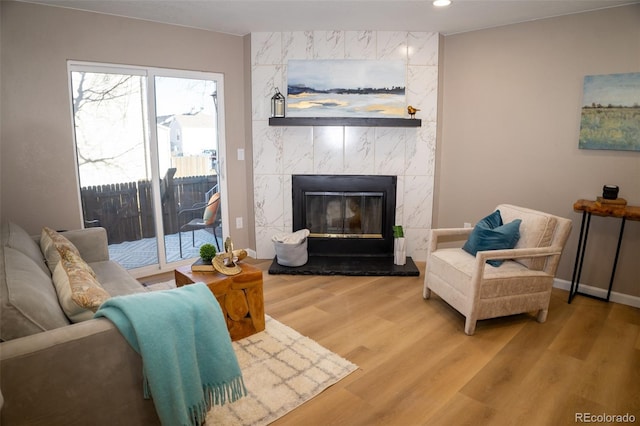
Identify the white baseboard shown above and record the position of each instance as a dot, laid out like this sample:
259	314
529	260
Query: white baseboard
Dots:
621	298
251	253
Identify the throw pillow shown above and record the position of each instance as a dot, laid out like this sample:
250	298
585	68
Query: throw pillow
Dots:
79	293
212	209
491	221
490	234
70	256
50	242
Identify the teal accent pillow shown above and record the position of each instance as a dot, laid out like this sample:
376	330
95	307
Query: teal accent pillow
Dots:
492	221
490	234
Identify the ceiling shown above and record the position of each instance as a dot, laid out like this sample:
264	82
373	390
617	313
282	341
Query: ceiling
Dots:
240	17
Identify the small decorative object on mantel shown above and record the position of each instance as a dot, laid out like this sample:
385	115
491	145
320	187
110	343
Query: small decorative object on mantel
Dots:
203	264
399	246
277	104
412	111
226	262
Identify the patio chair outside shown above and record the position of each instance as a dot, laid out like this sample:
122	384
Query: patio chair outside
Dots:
208	219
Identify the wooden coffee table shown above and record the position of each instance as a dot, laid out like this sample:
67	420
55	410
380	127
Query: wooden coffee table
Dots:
240	296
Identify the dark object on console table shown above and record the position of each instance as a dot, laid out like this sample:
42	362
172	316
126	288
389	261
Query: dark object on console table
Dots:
610	192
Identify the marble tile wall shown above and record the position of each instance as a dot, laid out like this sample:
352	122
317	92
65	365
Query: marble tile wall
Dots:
279	152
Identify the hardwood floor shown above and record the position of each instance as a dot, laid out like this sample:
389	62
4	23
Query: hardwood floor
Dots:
417	367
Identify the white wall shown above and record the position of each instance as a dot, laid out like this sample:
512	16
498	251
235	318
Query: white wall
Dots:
279	152
38	176
510	128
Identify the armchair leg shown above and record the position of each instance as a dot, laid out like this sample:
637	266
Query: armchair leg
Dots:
426	292
542	315
469	326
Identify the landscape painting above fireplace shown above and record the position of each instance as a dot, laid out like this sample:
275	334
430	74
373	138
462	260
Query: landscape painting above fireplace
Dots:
346	88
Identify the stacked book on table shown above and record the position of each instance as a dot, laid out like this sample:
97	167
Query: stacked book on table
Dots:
616	203
202	266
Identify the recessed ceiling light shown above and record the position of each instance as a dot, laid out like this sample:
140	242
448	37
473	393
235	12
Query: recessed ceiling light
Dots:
441	3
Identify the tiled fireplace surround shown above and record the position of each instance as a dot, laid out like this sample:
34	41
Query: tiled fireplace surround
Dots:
279	152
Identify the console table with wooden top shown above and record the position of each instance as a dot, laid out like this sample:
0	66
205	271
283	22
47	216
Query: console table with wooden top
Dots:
604	209
240	296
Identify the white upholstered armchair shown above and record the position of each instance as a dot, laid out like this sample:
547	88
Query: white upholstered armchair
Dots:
522	283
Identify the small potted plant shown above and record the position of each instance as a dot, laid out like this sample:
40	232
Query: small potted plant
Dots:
207	252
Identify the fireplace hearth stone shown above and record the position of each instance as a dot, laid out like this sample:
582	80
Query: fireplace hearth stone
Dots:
355	266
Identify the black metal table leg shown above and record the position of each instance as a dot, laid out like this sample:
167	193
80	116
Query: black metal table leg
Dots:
582	248
574	286
615	260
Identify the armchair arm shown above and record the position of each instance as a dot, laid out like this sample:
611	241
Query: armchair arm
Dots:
58	376
483	256
447	235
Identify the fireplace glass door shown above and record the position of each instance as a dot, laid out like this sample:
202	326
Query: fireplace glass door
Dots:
344	214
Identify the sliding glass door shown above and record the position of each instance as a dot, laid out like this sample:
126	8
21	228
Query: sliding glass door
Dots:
187	135
149	144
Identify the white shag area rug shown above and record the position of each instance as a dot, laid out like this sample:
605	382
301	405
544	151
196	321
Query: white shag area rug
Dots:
282	369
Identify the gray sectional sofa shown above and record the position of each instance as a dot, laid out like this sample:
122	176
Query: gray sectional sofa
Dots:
53	372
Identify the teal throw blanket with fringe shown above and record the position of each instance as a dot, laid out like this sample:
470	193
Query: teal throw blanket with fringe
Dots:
188	361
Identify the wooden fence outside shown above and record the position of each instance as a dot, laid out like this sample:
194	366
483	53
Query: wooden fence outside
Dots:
125	210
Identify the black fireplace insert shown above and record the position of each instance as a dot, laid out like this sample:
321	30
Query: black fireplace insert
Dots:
347	215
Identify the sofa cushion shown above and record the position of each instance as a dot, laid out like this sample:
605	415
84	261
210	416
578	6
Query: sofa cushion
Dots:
29	300
17	238
79	293
51	242
536	230
456	267
115	279
92	243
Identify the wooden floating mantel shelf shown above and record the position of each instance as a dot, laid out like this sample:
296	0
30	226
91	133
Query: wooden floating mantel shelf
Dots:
345	121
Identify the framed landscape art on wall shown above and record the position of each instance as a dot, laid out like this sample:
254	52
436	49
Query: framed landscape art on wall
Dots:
610	116
346	88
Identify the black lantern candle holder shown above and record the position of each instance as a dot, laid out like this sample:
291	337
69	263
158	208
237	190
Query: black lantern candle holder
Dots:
610	192
277	104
